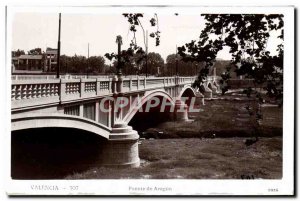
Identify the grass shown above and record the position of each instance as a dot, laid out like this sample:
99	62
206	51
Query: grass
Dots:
190	158
222	118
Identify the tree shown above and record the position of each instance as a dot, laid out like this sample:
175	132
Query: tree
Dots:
110	69
65	64
184	68
96	64
35	51
155	61
247	36
17	53
136	65
80	64
134	50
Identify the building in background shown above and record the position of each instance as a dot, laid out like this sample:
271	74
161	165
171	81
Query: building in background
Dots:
28	62
50	63
38	63
14	63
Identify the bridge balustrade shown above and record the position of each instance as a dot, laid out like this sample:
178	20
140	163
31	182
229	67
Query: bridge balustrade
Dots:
30	93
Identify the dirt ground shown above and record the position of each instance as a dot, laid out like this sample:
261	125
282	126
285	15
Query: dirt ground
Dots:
225	118
195	158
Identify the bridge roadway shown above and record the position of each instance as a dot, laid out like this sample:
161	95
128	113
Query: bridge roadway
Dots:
75	103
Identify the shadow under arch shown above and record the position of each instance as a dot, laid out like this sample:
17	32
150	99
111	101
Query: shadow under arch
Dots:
209	85
146	98
53	146
141	120
188	92
53	153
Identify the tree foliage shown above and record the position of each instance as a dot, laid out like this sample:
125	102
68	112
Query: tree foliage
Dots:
135	66
155	61
80	64
17	53
135	50
184	68
35	51
247	38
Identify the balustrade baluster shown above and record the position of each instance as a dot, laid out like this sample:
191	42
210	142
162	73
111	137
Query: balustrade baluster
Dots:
44	90
69	88
33	91
48	88
39	91
77	87
23	91
56	90
52	90
29	91
13	92
18	92
72	88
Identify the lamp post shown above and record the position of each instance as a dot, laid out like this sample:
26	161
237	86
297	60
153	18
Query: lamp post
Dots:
146	53
119	66
58	48
176	59
88	64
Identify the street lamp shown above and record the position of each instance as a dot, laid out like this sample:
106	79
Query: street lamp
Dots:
176	59
88	61
146	53
58	48
119	66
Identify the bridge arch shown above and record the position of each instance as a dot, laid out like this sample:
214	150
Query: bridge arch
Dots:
144	99
209	85
42	120
187	91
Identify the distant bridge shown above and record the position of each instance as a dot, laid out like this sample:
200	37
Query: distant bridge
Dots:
75	103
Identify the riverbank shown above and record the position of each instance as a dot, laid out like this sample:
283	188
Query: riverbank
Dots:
195	158
224	118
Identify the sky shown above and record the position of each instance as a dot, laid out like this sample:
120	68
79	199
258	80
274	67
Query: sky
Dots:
31	30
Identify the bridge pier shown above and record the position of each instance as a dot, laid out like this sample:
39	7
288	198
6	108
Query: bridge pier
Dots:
121	150
207	92
181	111
214	89
201	96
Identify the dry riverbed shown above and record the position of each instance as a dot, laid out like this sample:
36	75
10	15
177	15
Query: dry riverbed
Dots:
195	158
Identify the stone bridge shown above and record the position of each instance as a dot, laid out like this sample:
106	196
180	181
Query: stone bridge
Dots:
75	103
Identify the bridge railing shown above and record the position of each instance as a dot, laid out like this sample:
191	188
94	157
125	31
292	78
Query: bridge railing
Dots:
27	93
130	84
30	93
67	76
53	77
